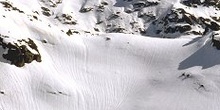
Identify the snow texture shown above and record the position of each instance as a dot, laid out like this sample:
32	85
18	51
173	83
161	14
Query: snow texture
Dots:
90	59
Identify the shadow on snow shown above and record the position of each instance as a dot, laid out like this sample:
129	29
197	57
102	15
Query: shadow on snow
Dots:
205	57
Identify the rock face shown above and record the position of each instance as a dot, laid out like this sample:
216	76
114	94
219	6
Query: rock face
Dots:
66	19
177	21
180	21
20	52
195	3
216	40
140	4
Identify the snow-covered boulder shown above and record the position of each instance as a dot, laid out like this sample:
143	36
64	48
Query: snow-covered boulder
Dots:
19	52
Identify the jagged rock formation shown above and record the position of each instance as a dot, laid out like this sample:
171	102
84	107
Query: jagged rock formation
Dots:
178	22
181	20
195	3
20	52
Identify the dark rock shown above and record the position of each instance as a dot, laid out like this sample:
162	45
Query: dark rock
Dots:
46	11
116	30
19	54
104	3
113	16
69	32
142	4
84	10
9	6
66	19
100	8
214	26
216	40
107	38
96	29
207	3
216	18
35	17
99	22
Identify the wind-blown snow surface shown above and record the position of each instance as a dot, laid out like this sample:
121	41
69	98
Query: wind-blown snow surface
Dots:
107	71
124	73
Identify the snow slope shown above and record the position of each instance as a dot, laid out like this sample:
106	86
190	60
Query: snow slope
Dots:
124	73
103	71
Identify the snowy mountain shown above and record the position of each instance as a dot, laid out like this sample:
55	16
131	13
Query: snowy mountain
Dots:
109	55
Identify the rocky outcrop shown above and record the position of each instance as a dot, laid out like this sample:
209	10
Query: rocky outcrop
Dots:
20	52
216	40
140	4
46	11
66	19
10	7
207	3
51	3
178	22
